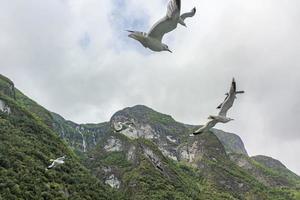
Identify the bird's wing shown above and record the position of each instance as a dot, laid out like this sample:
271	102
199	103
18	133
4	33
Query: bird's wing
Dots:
51	166
188	14
206	127
228	102
220	106
167	23
60	159
211	123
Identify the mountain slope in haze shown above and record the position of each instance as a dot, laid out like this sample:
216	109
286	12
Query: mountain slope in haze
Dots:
151	157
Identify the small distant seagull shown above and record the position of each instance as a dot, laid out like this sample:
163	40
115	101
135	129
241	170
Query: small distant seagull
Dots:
224	107
56	162
153	39
120	126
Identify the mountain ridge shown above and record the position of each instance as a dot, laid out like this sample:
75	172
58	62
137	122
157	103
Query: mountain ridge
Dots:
152	158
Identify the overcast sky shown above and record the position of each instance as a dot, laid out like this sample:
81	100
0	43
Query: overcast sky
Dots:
74	58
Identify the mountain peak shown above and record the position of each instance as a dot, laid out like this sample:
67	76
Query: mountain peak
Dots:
143	114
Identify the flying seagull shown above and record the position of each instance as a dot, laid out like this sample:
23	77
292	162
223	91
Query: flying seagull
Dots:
224	107
56	162
153	39
120	126
229	99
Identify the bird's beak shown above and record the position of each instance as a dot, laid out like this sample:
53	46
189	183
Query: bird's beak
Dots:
169	50
132	36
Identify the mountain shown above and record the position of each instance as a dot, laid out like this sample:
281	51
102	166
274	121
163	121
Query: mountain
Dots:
138	154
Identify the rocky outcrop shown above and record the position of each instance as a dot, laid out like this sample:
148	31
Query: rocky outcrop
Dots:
113	144
4	107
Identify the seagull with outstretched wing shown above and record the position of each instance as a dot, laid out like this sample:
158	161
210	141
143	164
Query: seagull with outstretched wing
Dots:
224	107
56	162
120	126
229	100
153	39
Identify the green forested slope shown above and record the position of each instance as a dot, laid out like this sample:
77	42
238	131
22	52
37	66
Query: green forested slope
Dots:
26	146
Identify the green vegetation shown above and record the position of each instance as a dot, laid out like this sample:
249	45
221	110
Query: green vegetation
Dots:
26	146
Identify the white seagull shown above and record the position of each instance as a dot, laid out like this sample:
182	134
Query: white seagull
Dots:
224	107
56	162
120	126
153	39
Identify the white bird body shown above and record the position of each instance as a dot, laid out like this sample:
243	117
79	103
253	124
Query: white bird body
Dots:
154	44
153	39
56	162
224	107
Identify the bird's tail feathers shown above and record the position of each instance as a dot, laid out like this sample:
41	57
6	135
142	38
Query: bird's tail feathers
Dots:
240	92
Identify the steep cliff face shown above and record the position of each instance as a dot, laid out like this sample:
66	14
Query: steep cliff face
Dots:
81	137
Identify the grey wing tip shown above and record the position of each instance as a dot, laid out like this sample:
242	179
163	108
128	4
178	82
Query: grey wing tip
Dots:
196	133
178	3
194	10
240	92
234	84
